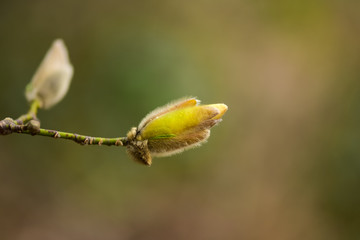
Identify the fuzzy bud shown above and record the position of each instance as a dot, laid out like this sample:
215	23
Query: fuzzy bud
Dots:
172	129
52	79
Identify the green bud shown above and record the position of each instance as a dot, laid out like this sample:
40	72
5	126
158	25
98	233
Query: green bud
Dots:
173	128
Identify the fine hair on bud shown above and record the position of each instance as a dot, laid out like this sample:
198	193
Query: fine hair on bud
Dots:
171	129
52	79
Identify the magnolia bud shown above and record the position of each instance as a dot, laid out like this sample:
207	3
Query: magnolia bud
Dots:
173	128
51	81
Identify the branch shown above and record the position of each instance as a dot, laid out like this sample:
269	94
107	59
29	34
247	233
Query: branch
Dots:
81	139
29	124
8	126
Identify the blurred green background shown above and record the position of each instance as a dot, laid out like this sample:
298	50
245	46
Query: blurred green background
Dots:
284	163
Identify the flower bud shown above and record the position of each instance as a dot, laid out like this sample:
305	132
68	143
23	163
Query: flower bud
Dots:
172	129
51	81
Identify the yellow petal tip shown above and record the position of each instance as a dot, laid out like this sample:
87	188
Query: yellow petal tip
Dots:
222	108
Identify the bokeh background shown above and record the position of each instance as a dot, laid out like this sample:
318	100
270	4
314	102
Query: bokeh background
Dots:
284	163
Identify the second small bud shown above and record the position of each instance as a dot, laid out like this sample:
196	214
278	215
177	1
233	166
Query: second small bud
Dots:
52	79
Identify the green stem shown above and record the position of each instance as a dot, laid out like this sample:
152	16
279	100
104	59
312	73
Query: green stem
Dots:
81	139
28	124
35	105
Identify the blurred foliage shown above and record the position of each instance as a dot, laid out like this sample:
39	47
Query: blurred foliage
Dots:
284	163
